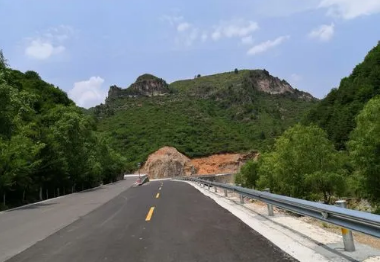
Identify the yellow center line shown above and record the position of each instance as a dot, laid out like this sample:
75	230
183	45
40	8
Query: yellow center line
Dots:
158	195
149	215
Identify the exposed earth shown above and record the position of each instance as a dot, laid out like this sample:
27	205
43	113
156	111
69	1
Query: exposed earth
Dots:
167	162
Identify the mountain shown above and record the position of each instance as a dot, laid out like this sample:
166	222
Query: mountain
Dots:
336	113
229	112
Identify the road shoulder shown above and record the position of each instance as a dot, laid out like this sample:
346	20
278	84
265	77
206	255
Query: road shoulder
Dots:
299	239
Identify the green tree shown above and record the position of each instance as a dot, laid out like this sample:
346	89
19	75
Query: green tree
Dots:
236	71
249	174
262	135
336	113
364	147
3	60
297	166
18	152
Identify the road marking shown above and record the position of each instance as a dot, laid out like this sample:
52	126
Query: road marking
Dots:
160	188
158	195
150	213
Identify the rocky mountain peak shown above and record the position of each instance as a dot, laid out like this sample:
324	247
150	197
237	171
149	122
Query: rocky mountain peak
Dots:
145	85
263	81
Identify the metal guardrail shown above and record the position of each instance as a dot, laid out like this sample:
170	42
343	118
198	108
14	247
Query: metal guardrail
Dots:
363	222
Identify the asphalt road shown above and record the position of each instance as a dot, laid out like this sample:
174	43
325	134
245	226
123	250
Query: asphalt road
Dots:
174	223
23	227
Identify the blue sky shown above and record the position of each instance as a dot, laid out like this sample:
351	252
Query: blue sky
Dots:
85	46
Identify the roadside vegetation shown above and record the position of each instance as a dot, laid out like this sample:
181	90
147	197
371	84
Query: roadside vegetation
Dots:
48	147
335	152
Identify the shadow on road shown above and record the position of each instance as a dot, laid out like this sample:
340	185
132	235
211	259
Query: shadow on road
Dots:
91	190
32	206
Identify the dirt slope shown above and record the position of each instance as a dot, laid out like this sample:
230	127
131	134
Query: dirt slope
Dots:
168	162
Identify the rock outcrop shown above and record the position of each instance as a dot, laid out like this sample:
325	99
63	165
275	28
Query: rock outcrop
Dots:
149	85
166	162
263	81
145	85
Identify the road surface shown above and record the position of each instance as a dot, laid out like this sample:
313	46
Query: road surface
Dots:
23	227
159	221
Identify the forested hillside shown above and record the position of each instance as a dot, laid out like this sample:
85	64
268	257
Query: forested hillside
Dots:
336	152
336	113
231	112
48	146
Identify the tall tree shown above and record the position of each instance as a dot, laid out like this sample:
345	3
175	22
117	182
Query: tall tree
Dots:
300	162
364	147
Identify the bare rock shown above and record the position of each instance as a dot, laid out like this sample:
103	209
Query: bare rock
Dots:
166	162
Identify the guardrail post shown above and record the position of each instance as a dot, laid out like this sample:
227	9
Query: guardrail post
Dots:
270	207
216	189
241	199
348	239
208	186
225	193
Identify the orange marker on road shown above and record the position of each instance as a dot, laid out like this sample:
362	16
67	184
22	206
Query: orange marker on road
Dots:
150	214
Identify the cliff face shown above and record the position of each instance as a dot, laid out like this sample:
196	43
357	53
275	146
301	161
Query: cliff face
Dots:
263	81
145	85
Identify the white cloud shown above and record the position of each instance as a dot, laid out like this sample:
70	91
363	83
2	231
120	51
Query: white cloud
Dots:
173	20
247	40
234	28
349	9
189	37
183	27
49	43
41	50
265	46
216	35
187	33
323	33
88	93
295	78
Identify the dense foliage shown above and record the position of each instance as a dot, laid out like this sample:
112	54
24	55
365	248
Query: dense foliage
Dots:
336	113
202	116
48	146
304	163
364	147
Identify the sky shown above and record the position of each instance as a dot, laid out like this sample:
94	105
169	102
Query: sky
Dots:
84	47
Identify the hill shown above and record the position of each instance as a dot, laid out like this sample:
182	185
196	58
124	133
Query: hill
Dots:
229	112
336	113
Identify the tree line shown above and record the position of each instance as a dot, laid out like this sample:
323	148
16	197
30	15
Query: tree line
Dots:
48	146
305	164
335	151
